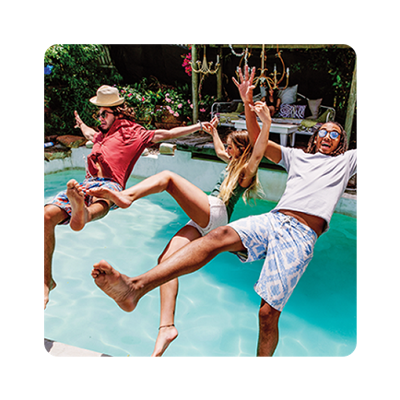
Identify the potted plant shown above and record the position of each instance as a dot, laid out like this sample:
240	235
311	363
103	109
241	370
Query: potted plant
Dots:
175	108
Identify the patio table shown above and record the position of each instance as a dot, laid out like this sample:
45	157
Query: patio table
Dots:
284	130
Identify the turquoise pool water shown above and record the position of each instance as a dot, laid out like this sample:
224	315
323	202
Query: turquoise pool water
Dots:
217	308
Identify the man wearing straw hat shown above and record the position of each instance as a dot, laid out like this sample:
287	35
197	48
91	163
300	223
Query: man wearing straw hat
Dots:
116	148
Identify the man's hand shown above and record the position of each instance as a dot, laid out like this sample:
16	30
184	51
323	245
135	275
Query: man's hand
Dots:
78	120
87	132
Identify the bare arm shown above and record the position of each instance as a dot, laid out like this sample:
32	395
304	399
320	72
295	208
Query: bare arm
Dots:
218	145
86	130
273	150
164	134
246	93
260	146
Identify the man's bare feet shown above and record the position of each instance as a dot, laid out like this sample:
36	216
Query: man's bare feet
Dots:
47	289
116	285
79	214
166	335
119	198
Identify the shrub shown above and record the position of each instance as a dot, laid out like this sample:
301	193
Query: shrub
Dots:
73	74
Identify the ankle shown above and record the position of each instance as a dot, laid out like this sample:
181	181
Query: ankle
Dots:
166	326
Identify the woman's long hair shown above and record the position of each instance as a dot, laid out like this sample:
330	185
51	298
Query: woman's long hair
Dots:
235	169
343	144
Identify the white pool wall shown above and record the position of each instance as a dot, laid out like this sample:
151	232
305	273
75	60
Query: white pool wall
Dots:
202	173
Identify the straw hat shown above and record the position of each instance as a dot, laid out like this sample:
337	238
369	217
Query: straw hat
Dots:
107	96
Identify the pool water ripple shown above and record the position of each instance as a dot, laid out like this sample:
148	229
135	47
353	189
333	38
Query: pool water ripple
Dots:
217	308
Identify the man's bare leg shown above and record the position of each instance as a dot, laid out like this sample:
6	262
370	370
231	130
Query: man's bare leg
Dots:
268	330
81	214
53	215
128	291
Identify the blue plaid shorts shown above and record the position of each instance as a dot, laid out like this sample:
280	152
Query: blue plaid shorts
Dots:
61	200
287	246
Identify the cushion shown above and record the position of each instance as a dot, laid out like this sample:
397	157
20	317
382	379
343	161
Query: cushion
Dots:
326	116
291	111
240	108
313	105
288	95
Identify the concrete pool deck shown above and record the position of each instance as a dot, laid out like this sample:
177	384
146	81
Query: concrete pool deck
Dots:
65	350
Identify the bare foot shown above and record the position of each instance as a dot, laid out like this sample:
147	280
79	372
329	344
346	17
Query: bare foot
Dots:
166	335
115	285
119	198
79	211
47	289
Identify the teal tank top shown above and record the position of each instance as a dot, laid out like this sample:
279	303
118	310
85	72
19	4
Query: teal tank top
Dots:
237	193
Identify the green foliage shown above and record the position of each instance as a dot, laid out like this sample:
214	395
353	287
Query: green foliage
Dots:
152	101
74	78
338	63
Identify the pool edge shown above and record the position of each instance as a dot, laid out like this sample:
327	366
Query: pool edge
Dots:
58	349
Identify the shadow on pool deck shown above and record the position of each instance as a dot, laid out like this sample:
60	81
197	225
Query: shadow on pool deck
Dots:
65	350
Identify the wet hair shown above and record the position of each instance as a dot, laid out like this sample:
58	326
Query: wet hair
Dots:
235	169
342	147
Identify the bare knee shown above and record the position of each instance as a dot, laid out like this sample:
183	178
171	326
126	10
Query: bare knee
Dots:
53	215
268	317
167	180
268	330
225	238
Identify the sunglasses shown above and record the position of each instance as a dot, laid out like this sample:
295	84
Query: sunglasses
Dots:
103	114
332	134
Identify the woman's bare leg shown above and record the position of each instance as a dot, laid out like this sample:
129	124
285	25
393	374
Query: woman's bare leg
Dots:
169	291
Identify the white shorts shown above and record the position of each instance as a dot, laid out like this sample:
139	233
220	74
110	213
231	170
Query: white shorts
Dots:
218	216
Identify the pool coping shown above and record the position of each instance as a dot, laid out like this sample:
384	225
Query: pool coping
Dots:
58	349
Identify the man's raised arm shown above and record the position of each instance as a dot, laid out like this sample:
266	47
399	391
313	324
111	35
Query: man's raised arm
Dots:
246	93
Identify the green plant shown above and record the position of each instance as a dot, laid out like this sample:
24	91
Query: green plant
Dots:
142	99
73	74
153	101
177	102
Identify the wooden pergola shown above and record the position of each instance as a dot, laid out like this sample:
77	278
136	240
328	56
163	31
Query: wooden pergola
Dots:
195	78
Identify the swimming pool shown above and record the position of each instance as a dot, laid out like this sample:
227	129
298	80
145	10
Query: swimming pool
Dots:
217	309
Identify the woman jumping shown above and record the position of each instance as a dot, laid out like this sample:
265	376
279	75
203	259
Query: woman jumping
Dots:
207	212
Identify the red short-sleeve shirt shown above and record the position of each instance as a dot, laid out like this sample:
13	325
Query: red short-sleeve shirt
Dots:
118	150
